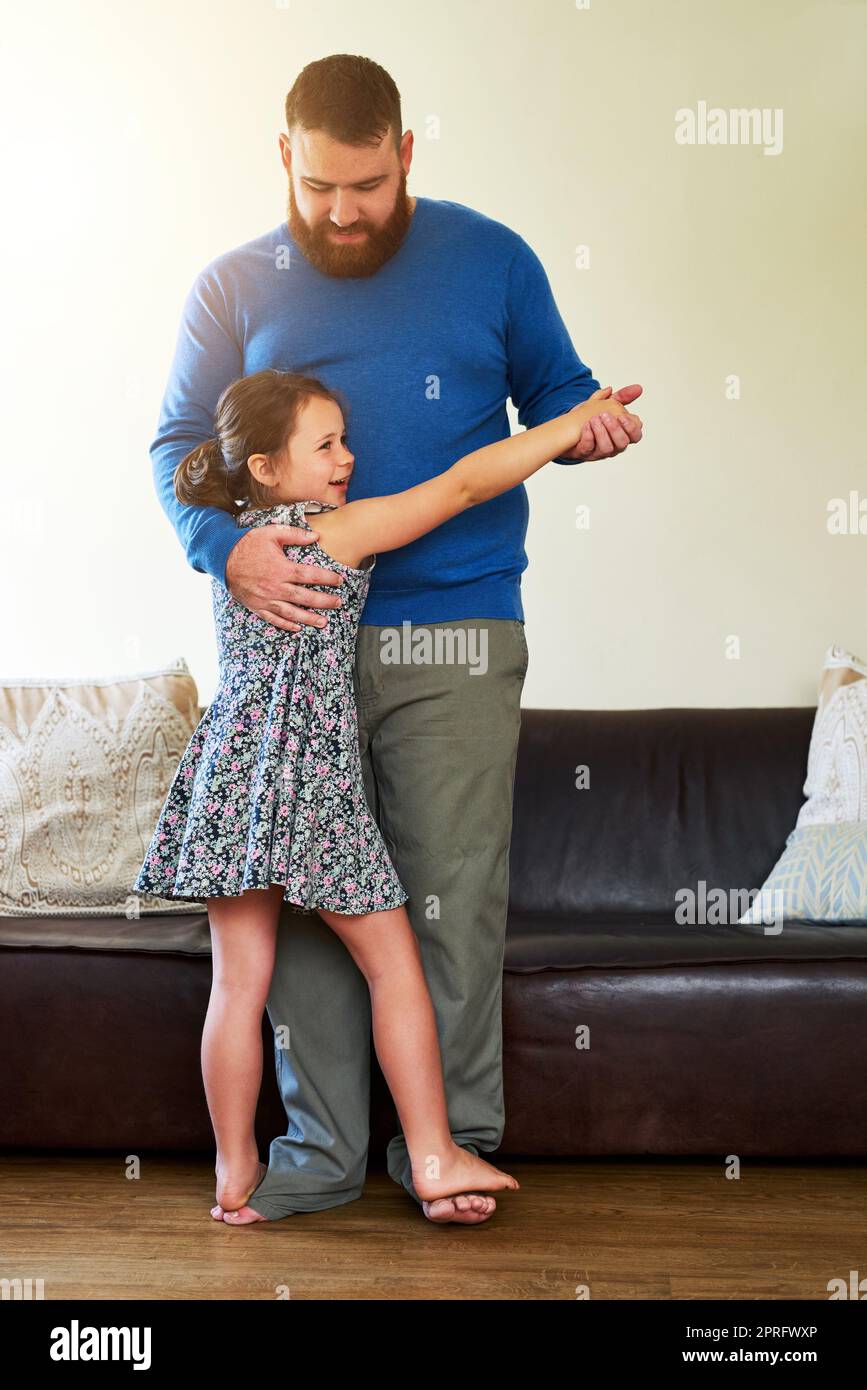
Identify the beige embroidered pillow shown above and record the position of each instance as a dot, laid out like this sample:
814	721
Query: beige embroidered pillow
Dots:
85	766
836	785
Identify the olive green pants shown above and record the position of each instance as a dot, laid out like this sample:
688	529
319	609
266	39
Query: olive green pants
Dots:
438	739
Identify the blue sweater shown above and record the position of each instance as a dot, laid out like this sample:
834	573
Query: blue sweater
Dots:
426	351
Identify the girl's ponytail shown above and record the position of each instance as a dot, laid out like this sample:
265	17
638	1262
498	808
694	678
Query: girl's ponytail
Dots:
202	477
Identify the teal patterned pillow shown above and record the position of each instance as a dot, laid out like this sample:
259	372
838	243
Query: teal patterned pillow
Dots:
821	876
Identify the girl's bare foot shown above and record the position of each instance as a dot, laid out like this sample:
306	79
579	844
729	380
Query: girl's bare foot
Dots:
458	1193
233	1189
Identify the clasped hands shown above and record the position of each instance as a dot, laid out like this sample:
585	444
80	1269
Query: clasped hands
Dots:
611	431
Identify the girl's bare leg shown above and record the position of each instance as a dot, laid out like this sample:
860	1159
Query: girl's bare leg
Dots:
386	950
243	939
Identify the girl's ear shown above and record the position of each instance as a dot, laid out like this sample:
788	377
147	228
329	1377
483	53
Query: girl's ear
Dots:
258	466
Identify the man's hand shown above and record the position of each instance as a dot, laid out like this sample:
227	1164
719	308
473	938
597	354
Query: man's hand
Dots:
266	581
607	435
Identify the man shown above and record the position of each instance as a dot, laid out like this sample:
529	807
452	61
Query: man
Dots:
427	316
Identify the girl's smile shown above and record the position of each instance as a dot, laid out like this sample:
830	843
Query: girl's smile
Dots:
341	484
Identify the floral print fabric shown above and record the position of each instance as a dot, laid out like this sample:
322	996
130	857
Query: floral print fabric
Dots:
270	788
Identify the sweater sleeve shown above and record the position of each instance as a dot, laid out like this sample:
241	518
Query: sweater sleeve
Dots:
207	357
546	375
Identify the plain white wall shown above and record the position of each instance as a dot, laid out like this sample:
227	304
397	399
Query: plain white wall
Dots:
142	140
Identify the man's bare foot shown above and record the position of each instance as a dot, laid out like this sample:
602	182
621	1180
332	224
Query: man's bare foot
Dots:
231	1198
451	1196
467	1209
244	1216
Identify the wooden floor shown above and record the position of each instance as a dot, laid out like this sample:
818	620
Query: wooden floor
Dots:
624	1228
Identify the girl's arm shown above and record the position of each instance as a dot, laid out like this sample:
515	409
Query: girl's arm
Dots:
384	523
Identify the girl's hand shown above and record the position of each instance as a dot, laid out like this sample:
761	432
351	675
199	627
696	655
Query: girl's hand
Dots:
600	402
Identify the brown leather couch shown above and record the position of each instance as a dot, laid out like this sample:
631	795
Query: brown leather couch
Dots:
703	1039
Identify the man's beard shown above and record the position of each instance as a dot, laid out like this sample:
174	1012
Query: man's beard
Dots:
351	258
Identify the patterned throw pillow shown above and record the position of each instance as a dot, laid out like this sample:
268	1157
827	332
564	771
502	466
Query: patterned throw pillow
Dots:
85	766
822	873
821	876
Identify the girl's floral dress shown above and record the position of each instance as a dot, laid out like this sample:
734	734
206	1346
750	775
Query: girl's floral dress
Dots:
270	789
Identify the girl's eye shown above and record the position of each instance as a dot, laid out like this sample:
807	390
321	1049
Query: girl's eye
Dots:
327	444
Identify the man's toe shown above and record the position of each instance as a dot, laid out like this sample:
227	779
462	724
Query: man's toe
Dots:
465	1209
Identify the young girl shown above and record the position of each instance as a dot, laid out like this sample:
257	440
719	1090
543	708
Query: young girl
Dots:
268	804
